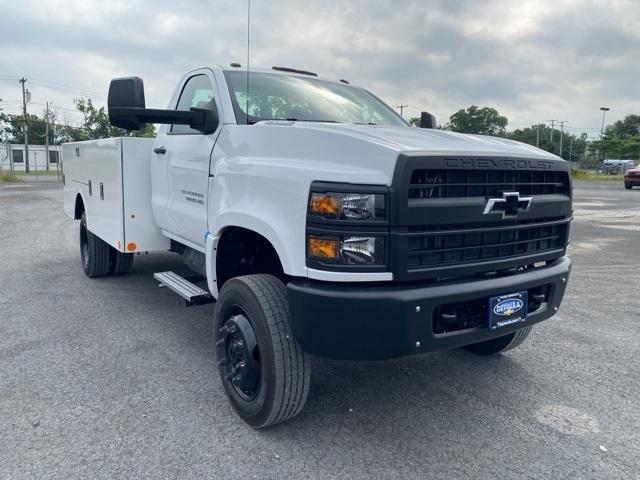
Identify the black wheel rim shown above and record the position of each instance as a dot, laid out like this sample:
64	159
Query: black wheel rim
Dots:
239	353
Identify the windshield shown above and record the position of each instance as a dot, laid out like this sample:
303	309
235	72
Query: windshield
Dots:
275	96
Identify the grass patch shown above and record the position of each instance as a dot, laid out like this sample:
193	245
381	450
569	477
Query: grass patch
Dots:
41	173
591	175
6	177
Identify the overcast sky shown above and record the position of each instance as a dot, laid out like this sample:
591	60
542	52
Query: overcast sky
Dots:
532	60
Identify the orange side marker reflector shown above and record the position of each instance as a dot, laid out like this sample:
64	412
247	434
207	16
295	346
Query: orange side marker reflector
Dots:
131	246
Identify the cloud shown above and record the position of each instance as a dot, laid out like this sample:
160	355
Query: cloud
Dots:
532	60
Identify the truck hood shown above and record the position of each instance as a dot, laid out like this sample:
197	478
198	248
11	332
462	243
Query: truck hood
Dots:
431	142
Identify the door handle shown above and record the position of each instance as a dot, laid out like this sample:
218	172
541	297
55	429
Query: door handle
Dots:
160	150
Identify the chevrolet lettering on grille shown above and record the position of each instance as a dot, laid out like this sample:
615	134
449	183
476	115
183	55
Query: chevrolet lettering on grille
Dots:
510	205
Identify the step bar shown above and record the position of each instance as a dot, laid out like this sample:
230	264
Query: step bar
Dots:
192	294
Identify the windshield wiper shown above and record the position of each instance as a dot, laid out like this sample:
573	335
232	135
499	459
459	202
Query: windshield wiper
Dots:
370	123
304	120
290	119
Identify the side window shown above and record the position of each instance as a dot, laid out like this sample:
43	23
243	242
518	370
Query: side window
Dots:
196	91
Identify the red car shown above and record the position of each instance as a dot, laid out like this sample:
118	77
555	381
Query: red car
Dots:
632	178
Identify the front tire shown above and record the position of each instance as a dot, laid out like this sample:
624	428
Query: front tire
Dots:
264	371
500	344
628	186
94	252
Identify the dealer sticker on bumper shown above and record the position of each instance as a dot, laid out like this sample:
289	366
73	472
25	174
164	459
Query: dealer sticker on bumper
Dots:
507	310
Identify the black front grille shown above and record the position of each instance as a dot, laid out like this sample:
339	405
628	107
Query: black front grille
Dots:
440	230
446	245
440	183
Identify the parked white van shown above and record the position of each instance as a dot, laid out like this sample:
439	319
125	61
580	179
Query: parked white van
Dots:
612	166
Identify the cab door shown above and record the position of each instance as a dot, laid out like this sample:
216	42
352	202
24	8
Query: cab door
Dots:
185	155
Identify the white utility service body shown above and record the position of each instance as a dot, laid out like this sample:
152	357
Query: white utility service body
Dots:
116	192
442	248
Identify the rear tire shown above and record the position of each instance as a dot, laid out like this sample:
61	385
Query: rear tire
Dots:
94	252
500	344
119	263
264	371
628	187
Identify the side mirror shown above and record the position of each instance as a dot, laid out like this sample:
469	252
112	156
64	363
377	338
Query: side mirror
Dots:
127	109
125	93
427	120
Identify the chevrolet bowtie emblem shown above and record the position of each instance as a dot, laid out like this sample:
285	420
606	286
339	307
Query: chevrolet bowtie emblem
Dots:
510	205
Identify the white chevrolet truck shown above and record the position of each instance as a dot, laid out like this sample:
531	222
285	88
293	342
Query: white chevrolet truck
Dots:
321	223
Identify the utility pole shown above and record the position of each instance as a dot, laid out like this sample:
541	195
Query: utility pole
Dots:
561	133
570	149
402	106
46	134
552	122
604	111
25	127
11	165
538	136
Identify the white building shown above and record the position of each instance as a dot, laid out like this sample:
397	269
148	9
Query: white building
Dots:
12	156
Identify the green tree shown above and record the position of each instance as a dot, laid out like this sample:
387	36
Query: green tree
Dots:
12	125
620	140
95	123
540	135
483	121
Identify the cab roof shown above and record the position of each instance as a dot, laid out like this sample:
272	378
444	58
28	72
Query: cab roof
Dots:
289	71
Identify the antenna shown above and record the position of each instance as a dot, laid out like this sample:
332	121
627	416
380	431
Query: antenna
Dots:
248	51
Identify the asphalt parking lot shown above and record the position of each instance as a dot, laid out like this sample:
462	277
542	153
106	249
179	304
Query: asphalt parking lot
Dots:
115	378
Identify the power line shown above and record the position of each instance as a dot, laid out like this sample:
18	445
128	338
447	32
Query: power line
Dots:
72	89
83	92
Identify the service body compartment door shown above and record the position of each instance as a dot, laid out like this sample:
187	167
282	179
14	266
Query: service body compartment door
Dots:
101	162
141	233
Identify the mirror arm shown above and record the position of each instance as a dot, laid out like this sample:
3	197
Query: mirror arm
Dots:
207	120
201	119
152	115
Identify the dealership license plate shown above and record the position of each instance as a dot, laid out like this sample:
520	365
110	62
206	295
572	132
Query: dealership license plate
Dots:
507	309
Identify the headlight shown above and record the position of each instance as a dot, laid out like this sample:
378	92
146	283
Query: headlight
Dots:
348	206
346	250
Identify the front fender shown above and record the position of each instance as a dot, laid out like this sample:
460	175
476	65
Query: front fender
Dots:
260	179
277	213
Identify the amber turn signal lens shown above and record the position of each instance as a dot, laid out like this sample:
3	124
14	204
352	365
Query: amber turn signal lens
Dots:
324	204
323	247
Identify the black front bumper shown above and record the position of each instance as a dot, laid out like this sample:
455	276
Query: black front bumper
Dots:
382	321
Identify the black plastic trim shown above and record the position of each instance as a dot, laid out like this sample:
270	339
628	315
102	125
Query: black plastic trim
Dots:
413	211
378	321
294	70
408	213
